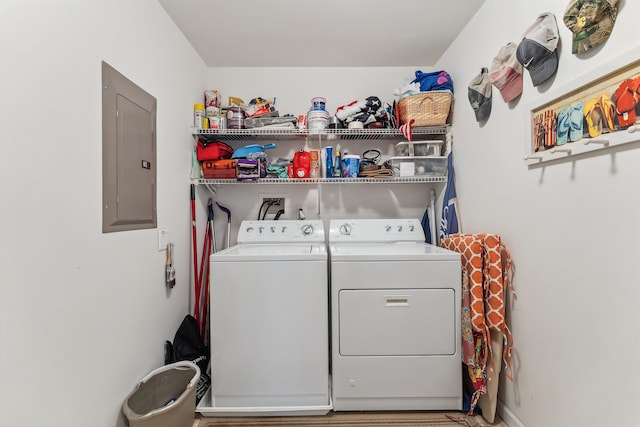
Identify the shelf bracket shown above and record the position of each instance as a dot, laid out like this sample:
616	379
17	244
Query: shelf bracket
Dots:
432	220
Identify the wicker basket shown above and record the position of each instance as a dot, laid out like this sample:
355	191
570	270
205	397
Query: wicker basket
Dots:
425	108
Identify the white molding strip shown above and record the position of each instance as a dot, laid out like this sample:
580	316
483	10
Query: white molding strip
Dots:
507	416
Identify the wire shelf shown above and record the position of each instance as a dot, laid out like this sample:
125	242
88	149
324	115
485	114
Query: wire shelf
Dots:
298	181
325	134
328	135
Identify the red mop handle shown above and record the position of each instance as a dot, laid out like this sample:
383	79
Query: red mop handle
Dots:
194	236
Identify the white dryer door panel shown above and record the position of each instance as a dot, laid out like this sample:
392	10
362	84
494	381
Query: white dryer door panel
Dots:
397	322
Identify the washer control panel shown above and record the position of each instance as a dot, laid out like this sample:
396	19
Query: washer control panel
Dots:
375	230
271	231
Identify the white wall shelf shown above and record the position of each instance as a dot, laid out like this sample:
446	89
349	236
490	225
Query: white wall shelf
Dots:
294	181
585	145
601	80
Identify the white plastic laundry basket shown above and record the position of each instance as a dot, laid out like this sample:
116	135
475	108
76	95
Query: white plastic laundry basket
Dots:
165	397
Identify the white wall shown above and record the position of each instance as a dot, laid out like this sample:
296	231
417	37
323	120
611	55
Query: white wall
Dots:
572	228
84	315
294	88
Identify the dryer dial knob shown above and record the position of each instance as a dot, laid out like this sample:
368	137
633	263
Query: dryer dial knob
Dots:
249	229
345	229
307	229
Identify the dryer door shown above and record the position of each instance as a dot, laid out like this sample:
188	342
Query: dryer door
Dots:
397	322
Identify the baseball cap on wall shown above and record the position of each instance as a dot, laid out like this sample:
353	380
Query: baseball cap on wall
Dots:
480	91
537	51
505	73
590	21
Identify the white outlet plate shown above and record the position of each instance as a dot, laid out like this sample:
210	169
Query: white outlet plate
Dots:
164	238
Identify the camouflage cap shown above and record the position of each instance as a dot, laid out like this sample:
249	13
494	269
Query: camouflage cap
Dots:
590	21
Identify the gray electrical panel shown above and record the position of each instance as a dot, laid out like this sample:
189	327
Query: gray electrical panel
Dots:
128	154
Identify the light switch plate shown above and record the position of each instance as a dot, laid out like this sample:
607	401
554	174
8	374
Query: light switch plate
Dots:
163	239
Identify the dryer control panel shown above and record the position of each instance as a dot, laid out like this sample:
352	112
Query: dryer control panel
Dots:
281	231
375	230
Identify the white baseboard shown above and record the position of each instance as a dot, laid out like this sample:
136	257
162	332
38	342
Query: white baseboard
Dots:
508	417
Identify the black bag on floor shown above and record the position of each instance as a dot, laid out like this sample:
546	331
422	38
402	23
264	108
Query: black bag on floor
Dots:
187	345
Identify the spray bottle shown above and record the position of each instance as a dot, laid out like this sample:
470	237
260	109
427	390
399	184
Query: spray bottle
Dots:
337	163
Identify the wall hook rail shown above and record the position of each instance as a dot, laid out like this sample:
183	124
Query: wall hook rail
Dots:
604	142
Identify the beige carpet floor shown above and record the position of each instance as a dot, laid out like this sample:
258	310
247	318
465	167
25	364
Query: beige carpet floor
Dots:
353	419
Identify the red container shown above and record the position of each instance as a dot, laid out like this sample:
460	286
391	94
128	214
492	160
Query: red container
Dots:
214	150
301	164
219	169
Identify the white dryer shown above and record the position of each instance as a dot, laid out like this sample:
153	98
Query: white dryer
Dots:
270	322
395	314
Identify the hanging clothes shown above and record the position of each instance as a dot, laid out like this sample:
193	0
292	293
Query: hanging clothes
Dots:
486	266
449	221
429	220
426	226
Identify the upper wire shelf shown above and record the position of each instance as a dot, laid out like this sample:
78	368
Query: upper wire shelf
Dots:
284	134
390	180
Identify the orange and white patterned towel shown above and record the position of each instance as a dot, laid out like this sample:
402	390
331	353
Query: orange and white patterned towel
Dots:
497	272
470	247
487	264
476	354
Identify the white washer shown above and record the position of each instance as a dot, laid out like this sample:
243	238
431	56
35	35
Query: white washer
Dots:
395	313
270	322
